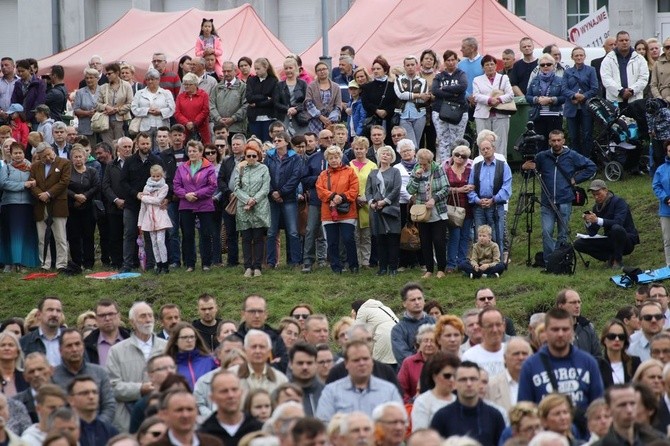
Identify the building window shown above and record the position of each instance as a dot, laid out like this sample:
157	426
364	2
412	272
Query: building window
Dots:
578	10
518	7
663	5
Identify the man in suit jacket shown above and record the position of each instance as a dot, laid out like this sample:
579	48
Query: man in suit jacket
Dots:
51	176
179	412
36	371
503	389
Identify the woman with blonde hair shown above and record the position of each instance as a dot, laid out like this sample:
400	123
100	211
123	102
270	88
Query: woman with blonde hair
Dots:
650	373
289	97
340	329
429	183
458	173
87	320
382	193
260	88
362	166
11	365
337	188
524	420
289	330
85	103
555	411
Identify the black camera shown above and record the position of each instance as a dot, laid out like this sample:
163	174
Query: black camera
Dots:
528	144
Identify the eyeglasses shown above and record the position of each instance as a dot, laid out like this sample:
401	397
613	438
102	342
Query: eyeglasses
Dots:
220	145
544	65
252	155
397	135
106	315
666	47
460	155
301	315
448	375
613	336
650	317
187	338
157	61
485	298
209	152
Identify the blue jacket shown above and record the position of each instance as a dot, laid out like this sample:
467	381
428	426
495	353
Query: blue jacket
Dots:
577	375
285	174
555	90
574	165
583	80
615	212
192	365
661	186
449	87
358	116
12	186
403	335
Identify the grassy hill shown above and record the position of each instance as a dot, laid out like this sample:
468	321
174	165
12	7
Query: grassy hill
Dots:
521	290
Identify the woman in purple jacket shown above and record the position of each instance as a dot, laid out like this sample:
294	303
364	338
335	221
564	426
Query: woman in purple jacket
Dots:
190	353
195	184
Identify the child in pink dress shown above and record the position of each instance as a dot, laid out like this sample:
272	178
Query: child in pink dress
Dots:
209	39
154	219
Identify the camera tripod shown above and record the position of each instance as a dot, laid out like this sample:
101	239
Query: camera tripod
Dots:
526	206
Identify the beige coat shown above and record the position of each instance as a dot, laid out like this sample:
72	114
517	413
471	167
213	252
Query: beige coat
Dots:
381	319
121	98
660	78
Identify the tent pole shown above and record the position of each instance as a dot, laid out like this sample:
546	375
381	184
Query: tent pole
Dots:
324	35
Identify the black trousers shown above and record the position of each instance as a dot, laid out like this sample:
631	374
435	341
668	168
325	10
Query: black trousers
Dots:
80	230
388	249
434	241
115	237
253	246
614	247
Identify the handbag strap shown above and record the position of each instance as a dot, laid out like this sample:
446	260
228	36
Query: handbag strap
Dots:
550	372
457	198
560	169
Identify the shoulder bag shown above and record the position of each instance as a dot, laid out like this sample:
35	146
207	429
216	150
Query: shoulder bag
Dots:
345	206
505	108
455	213
374	119
409	237
419	213
99	120
451	112
579	193
231	207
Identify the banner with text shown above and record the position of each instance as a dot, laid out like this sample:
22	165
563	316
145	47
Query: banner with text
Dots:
592	31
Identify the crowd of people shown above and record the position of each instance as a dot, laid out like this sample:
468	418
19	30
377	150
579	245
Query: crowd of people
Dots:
337	161
370	378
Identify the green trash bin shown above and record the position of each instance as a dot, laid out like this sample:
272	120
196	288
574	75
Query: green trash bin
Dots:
517	126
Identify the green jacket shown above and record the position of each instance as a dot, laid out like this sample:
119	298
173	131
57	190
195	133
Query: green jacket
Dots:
253	182
439	186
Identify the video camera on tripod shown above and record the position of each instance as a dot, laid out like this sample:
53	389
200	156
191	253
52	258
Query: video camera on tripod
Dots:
528	144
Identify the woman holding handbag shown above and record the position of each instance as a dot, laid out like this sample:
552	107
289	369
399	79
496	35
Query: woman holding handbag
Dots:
382	192
490	90
458	173
337	189
407	151
429	183
449	86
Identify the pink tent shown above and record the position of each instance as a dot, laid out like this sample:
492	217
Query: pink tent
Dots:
138	34
397	28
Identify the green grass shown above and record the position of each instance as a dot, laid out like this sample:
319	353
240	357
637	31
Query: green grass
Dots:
521	290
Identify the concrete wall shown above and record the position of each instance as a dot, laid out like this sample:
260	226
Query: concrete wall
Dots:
638	17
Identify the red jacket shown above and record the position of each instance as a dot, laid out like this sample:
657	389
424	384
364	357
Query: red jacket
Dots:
194	108
20	131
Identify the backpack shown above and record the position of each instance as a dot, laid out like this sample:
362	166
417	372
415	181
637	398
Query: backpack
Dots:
562	260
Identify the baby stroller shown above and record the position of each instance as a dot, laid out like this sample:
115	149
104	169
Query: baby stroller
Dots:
617	148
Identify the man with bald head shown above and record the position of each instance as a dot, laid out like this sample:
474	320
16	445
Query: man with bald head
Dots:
228	103
114	193
608	46
503	388
206	82
127	361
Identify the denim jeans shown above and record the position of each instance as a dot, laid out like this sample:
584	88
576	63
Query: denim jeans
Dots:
288	211
232	241
459	243
187	219
335	232
314	240
580	129
172	242
494	217
467	268
414	128
549	220
260	129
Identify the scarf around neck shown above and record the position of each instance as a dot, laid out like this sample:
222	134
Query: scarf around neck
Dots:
23	166
155	185
545	80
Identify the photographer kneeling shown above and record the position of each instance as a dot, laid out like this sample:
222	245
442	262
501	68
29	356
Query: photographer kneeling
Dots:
560	168
612	213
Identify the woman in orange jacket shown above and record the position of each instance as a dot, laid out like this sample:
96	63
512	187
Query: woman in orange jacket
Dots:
337	188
